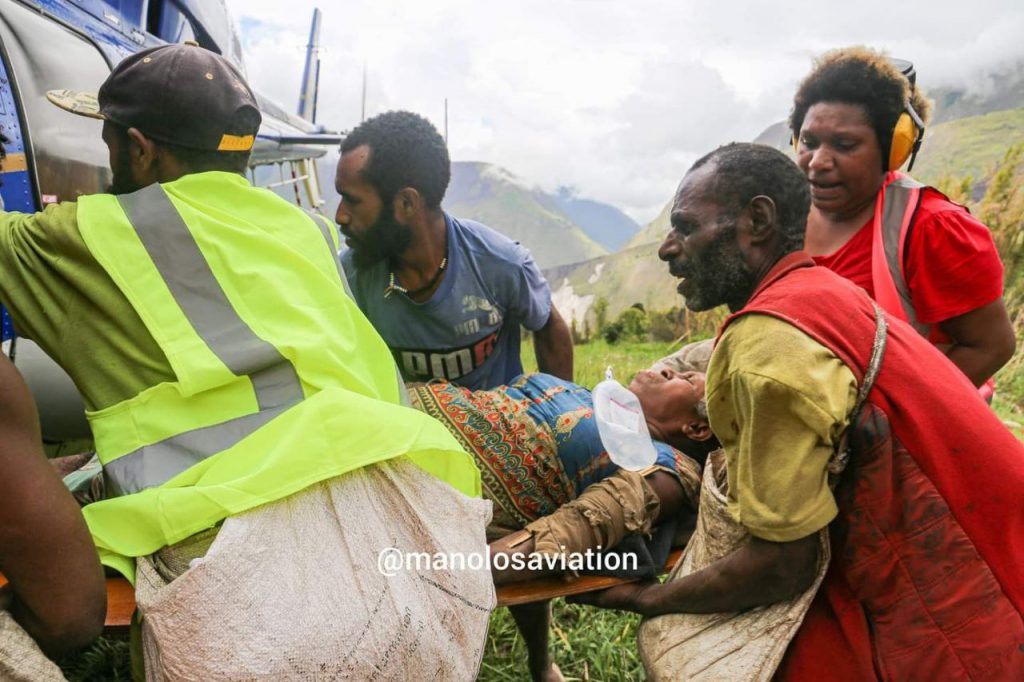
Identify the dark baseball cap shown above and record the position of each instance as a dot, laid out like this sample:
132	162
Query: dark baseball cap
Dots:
179	94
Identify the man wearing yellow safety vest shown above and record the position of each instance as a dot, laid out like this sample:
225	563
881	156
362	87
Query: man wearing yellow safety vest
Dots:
205	323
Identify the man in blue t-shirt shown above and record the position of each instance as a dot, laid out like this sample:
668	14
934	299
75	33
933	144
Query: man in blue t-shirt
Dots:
447	295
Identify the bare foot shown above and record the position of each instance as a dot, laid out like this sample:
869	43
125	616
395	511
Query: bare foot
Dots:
552	674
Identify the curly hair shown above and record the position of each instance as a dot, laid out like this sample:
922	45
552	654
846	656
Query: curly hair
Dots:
859	75
744	170
405	151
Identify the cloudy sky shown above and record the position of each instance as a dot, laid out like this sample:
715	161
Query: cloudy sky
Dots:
613	97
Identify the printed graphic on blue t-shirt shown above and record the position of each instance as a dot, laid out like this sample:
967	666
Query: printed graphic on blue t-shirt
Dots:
468	331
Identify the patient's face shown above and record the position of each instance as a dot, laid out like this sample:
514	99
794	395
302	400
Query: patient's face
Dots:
667	395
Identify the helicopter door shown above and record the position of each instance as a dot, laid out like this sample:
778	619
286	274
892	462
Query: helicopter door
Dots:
15	186
53	156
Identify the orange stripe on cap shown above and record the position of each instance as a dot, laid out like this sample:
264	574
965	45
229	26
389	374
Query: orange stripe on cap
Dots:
236	143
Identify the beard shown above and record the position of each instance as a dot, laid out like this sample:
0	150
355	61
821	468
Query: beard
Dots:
386	238
122	180
719	275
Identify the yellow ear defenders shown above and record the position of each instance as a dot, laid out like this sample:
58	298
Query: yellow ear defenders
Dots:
907	134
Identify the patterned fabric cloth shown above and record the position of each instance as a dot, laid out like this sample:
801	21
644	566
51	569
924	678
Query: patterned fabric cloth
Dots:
536	443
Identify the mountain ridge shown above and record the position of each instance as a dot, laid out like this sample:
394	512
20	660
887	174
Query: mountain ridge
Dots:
495	197
475	182
958	148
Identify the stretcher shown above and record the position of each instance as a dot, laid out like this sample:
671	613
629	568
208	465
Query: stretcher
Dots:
121	594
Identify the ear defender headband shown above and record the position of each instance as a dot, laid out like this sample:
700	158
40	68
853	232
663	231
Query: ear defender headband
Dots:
907	134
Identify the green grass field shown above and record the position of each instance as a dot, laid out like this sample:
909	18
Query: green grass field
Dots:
587	644
591	359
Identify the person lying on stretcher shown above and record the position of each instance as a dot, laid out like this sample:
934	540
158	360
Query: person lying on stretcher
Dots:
553	486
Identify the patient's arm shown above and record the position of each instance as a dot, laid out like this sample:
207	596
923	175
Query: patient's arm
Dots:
759	573
670	502
670	494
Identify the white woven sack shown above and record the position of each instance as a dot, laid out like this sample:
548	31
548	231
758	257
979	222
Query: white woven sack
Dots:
292	590
739	647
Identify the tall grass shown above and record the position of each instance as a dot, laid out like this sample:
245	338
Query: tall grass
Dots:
591	359
586	643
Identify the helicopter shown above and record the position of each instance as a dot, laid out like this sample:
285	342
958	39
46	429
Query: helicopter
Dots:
52	157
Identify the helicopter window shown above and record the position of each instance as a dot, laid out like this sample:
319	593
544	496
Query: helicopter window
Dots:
65	151
167	22
295	179
127	11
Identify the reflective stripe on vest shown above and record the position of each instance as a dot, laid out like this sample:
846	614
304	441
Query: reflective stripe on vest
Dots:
894	210
325	230
208	423
195	289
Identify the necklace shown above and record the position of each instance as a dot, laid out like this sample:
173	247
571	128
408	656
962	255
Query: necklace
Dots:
394	286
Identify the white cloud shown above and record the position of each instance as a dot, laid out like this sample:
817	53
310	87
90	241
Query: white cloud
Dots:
615	98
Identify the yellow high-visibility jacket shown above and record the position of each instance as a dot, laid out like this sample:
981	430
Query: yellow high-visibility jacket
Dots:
281	382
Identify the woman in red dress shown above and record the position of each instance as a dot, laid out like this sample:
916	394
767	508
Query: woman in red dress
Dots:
856	119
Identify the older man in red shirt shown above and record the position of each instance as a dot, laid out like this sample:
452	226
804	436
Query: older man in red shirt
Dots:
926	524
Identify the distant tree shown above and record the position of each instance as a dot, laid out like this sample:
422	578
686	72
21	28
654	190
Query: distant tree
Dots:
667	325
957	189
1000	195
574	331
1002	209
634	323
611	333
601	313
631	325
